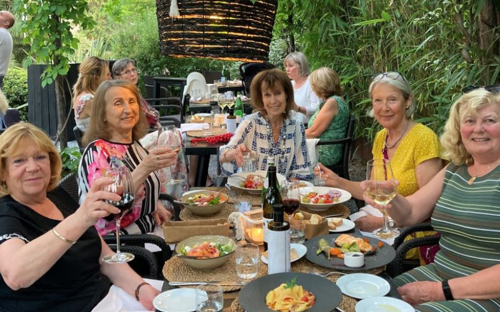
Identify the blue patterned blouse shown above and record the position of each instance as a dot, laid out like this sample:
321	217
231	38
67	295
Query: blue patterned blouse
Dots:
290	152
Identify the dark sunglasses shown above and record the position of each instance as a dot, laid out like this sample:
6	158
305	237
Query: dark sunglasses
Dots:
492	88
391	75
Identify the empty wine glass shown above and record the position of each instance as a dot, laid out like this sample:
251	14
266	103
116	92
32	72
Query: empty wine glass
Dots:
123	185
381	188
168	136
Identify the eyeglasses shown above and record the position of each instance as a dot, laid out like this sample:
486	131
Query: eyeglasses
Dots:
492	88
391	75
129	72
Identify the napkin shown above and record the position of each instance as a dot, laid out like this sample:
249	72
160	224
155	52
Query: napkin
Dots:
312	150
185	127
370	210
117	300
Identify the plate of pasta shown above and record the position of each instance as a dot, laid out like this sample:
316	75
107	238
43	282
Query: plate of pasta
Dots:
303	292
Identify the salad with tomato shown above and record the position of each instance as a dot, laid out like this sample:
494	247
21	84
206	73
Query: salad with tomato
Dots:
214	198
314	198
253	182
207	250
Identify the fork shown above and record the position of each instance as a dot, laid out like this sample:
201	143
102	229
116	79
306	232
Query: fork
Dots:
321	182
327	274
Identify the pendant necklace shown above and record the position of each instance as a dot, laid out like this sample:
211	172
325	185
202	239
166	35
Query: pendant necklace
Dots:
399	139
474	177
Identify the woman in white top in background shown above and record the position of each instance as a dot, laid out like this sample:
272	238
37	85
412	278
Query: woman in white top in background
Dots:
306	101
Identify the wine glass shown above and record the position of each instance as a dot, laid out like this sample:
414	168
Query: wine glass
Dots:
290	194
381	188
168	137
123	185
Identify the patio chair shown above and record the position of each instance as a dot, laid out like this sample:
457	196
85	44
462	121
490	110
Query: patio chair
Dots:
249	70
145	263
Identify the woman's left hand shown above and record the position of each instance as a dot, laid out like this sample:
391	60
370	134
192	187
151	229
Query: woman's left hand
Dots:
369	223
146	295
161	215
420	292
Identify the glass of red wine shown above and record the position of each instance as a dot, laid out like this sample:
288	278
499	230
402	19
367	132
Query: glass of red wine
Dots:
123	185
290	194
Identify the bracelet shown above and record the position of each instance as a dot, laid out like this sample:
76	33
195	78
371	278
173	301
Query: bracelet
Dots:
138	288
64	239
447	290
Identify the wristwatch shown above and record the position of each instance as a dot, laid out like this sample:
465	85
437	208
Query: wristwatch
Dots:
391	222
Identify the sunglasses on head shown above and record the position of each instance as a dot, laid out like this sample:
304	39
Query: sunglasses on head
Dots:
391	75
492	88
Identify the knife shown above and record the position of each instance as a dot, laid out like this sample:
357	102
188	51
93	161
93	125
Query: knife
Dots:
222	283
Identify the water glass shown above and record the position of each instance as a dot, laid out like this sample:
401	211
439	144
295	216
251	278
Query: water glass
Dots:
247	260
209	298
243	203
297	232
249	162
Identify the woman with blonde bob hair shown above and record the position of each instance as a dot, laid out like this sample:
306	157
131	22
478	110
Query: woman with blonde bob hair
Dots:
116	124
49	250
329	122
462	203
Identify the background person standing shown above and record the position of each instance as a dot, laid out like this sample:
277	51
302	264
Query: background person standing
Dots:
6	21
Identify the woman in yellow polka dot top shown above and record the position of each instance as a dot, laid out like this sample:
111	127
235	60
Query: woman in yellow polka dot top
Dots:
414	150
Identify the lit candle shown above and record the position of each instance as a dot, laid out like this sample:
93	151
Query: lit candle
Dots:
257	235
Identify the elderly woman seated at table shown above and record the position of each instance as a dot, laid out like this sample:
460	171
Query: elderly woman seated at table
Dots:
462	200
270	132
116	124
92	71
329	122
50	254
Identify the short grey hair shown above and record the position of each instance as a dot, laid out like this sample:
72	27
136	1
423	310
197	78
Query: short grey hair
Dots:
398	81
300	59
120	66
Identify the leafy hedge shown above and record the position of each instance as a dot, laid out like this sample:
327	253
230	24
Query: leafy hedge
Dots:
15	88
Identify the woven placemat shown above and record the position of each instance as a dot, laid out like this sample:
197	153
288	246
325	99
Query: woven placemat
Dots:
224	213
176	270
206	133
256	200
332	210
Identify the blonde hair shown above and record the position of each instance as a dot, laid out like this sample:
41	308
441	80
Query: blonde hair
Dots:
98	126
468	104
301	60
272	79
10	142
398	81
4	104
325	82
92	71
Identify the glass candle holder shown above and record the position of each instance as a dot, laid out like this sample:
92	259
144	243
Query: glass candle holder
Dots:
253	224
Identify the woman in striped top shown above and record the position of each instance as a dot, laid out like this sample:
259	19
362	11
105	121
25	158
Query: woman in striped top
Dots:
462	201
116	125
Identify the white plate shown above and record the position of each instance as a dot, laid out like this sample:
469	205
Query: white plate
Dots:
362	285
176	300
204	114
321	190
235	180
299	248
306	184
346	226
383	304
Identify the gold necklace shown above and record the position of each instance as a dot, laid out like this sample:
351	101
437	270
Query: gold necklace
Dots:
474	177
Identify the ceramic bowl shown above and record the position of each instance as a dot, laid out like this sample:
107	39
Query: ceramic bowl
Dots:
205	264
204	210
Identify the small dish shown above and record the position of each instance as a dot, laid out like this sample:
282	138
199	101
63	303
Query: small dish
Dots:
299	248
176	300
362	285
383	304
346	226
354	259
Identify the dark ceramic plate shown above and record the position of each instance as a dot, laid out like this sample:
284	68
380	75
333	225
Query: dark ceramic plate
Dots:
380	258
253	296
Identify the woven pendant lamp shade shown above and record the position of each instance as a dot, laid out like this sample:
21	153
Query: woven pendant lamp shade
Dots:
233	30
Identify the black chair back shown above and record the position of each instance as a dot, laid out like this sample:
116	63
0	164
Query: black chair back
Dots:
249	70
70	184
78	137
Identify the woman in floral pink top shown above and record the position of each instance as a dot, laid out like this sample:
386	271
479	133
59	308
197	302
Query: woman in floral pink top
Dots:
116	124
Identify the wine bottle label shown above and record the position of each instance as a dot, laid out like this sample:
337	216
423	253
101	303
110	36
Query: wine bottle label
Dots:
278	245
266	223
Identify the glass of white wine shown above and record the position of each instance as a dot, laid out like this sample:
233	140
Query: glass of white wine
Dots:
381	188
168	136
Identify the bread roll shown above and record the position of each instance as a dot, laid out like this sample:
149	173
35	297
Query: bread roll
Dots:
336	221
298	216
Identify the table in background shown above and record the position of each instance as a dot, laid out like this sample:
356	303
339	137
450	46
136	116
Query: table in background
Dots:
203	150
234	88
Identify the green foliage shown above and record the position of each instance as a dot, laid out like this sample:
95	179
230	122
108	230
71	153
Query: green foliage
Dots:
47	26
70	157
436	44
16	90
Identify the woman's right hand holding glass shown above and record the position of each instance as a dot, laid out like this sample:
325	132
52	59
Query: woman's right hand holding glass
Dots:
160	158
94	207
237	154
329	177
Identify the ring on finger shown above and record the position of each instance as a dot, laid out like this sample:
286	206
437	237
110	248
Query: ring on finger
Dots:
157	157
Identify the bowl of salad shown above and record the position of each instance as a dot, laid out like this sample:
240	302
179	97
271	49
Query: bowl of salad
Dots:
204	203
251	182
321	198
206	251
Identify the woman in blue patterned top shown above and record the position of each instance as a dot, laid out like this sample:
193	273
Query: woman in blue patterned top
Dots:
272	131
